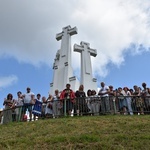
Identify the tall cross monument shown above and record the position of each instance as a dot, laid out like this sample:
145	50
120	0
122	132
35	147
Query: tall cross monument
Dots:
63	72
86	68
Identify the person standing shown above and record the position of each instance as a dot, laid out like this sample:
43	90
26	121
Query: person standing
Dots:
49	107
44	103
37	108
68	96
88	101
103	92
56	104
112	100
127	95
19	104
121	101
95	103
7	112
80	105
146	97
138	101
28	100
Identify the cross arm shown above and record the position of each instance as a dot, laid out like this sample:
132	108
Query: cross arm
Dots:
93	52
59	36
73	31
78	48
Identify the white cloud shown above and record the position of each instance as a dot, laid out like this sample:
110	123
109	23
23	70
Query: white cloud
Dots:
28	29
111	28
8	81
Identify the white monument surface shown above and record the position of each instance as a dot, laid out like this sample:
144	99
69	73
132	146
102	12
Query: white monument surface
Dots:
86	68
63	72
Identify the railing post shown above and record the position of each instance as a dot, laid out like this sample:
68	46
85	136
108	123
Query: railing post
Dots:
65	114
115	111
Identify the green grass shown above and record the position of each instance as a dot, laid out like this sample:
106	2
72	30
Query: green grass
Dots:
89	132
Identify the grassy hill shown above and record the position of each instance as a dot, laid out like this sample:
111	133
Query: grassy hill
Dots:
89	132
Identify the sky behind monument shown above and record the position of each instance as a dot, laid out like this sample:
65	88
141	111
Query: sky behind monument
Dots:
118	29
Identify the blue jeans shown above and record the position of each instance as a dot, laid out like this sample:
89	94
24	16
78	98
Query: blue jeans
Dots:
128	99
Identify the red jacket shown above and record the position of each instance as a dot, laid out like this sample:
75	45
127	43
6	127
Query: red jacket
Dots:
67	93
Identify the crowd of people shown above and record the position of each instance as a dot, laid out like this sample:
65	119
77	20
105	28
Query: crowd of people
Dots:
68	102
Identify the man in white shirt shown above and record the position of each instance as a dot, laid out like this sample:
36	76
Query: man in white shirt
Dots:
103	92
28	98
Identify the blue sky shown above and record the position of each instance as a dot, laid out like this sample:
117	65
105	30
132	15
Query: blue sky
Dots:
119	30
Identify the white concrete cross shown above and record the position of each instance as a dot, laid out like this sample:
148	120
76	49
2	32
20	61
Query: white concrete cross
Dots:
62	66
86	67
64	36
86	52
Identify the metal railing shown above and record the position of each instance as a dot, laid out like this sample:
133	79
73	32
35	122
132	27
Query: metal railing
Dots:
95	105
